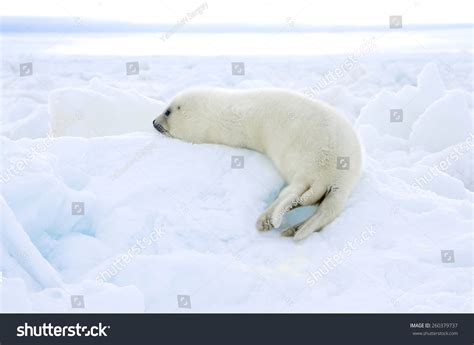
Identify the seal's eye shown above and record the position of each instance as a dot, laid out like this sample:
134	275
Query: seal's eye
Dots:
179	107
168	112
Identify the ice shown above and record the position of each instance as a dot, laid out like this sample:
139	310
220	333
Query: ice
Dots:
163	218
413	100
94	111
444	123
19	246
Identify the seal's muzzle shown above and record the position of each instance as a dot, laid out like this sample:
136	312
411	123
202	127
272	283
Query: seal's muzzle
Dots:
158	126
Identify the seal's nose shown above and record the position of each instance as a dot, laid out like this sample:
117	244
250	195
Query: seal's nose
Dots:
158	127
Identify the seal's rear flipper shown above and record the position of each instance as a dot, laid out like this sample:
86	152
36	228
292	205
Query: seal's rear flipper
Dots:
328	210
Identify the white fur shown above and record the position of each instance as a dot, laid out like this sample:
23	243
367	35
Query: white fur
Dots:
302	137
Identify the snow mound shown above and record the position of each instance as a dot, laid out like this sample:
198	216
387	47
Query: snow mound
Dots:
445	122
101	110
33	122
431	139
411	100
426	117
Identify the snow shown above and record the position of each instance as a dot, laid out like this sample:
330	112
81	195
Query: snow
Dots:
93	111
164	218
433	133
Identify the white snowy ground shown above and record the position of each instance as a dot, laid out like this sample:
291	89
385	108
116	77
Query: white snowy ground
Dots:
163	218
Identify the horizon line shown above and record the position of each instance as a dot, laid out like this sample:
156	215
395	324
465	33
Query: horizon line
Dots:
29	24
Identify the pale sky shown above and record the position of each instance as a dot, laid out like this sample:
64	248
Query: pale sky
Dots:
328	12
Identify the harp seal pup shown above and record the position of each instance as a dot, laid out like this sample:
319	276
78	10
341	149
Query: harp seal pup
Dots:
314	148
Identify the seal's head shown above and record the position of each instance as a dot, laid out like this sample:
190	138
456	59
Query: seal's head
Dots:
186	117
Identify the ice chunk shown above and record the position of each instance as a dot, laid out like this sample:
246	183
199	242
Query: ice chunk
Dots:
445	122
101	110
410	102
